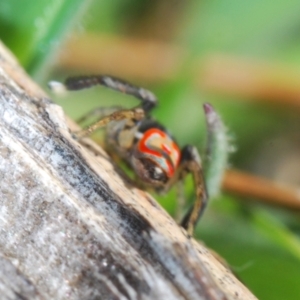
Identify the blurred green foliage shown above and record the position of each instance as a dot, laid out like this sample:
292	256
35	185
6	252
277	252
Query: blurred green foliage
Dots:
260	243
33	29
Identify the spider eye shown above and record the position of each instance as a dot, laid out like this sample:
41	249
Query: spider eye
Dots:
149	171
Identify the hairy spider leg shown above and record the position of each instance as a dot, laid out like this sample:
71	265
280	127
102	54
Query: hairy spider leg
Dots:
98	113
148	99
191	163
135	114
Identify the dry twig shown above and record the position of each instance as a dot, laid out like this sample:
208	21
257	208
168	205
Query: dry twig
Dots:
247	185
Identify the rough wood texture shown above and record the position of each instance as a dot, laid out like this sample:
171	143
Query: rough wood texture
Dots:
70	228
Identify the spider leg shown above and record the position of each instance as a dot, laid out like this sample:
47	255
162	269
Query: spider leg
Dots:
98	113
147	98
191	163
134	115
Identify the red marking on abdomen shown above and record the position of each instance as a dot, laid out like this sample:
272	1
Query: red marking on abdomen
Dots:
166	149
160	140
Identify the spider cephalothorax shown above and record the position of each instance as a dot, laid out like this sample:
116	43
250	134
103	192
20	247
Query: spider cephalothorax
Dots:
143	143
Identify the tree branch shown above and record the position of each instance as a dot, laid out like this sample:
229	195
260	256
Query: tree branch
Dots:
70	227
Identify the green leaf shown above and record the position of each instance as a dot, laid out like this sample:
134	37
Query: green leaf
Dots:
274	230
33	30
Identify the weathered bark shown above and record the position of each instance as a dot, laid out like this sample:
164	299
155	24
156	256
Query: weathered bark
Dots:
71	228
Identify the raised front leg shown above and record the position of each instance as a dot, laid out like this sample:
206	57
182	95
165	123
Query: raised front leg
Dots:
148	99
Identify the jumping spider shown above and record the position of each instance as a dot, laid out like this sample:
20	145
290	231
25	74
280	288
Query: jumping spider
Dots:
143	143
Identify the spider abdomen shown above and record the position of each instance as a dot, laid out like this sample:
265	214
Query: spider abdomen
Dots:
159	147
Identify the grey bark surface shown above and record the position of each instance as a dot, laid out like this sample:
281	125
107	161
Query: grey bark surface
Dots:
72	228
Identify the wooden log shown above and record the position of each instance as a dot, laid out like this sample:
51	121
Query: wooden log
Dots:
72	228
